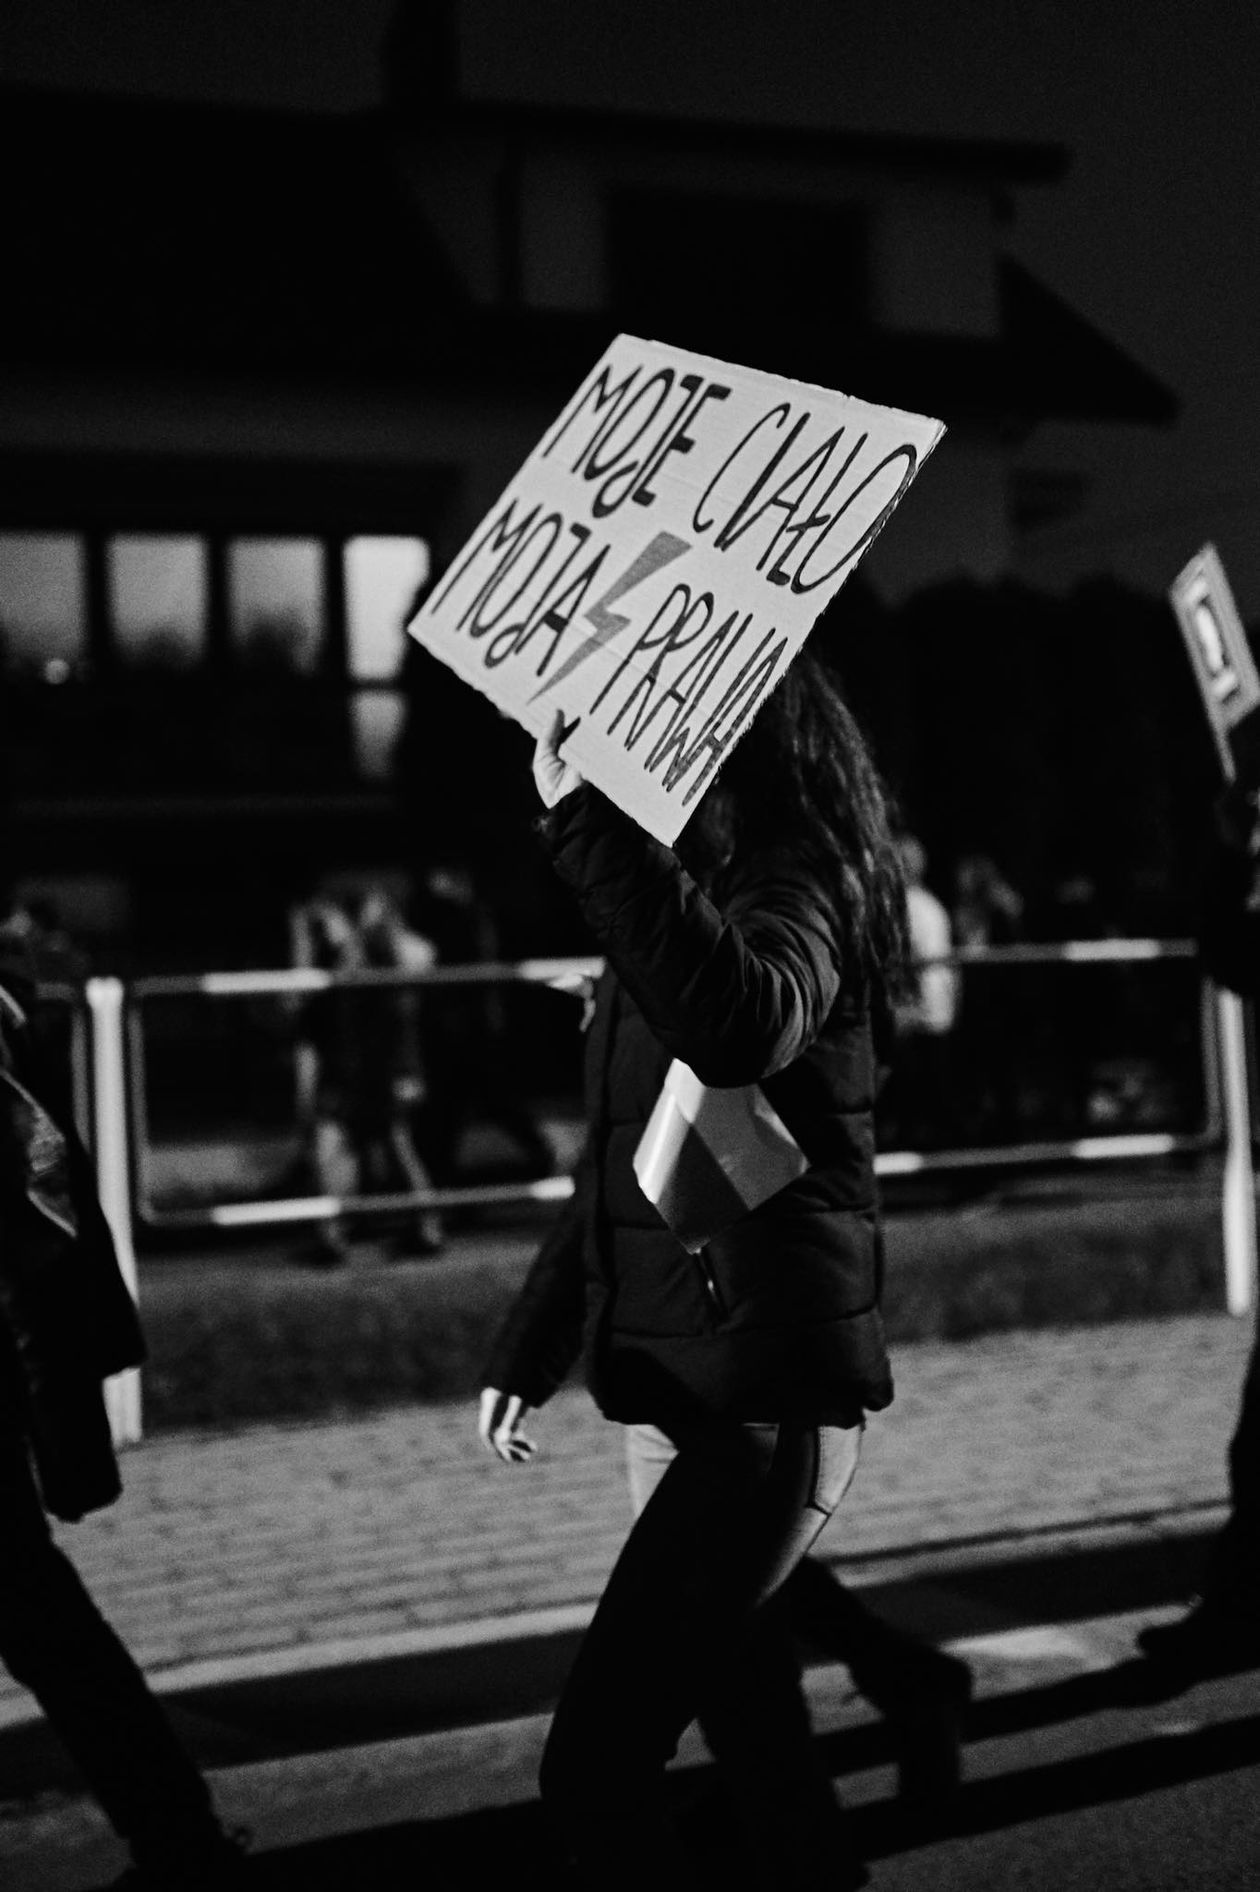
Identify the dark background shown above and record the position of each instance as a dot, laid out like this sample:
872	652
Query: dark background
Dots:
1046	713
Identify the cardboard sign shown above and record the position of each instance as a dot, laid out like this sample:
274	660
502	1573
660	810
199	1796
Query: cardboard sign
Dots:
661	557
1214	634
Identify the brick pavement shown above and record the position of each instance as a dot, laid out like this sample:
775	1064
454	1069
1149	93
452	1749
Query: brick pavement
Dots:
291	1538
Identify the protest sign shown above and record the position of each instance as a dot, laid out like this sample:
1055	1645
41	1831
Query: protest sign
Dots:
1219	651
661	557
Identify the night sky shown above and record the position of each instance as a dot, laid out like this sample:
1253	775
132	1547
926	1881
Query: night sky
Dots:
1152	236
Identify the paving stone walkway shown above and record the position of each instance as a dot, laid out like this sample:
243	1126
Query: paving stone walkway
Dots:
299	1537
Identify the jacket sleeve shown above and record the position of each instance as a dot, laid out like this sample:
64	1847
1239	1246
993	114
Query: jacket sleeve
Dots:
541	1338
736	992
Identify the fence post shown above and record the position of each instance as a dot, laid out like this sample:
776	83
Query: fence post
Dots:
113	1175
1238	1203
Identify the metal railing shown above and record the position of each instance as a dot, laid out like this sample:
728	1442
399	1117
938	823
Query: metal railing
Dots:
293	982
109	1056
1117	1147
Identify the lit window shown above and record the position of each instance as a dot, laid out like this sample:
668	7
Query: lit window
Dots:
42	608
276	599
157	587
382	579
376	717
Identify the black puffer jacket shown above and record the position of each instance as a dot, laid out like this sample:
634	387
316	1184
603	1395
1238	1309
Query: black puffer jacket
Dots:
779	1317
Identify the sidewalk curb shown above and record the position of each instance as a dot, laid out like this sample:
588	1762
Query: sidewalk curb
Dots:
424	1791
552	1627
345	1652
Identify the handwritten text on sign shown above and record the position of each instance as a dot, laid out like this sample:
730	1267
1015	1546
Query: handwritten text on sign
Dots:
660	558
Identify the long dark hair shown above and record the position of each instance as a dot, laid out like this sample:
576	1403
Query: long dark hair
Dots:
803	776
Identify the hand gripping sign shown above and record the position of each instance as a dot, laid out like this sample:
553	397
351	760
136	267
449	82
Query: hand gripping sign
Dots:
660	558
1223	664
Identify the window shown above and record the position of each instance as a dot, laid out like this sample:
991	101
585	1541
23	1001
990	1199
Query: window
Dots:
43	615
157	595
383	577
164	603
276	603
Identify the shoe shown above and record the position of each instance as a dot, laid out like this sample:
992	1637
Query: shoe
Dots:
1207	1640
899	1675
220	1867
924	1698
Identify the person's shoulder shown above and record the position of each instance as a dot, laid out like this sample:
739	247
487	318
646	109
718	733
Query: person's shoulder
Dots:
777	869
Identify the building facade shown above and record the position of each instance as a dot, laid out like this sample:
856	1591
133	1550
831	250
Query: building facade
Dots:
269	368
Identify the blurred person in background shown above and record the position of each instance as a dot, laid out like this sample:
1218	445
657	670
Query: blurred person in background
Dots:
755	953
37	936
469	1082
370	1071
918	1105
1221	1629
986	911
52	950
1076	1004
67	1322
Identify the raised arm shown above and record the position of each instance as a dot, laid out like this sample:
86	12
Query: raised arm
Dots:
736	993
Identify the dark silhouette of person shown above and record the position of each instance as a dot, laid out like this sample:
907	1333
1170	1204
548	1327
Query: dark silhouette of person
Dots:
919	1103
743	1369
370	1071
1221	1630
67	1322
986	911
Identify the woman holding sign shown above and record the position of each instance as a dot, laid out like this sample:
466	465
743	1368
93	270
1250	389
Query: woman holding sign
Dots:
735	1332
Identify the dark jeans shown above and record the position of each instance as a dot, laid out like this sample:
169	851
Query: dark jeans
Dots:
688	1627
55	1641
1233	1578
